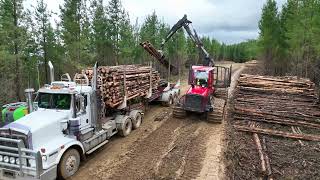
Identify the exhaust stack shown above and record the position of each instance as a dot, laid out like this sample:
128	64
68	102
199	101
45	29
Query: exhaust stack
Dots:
51	71
29	93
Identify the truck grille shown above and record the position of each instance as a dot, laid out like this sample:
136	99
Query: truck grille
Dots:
11	134
193	102
15	158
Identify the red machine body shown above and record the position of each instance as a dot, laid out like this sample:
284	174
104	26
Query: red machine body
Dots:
199	95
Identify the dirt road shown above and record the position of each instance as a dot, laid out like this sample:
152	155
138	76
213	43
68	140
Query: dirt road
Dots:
163	148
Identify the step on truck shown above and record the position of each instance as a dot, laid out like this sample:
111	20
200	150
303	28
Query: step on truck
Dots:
51	141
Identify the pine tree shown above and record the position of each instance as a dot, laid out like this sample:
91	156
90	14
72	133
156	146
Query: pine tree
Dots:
42	22
153	31
269	35
150	30
100	37
75	30
127	41
117	20
13	36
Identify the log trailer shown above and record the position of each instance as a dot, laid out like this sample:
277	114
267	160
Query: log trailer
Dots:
66	126
205	79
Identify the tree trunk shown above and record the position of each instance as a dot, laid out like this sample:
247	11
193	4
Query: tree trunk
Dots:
16	51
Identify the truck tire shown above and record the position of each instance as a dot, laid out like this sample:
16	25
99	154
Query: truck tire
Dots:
69	164
136	121
126	127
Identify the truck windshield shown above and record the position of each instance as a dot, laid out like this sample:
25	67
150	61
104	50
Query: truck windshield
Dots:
54	101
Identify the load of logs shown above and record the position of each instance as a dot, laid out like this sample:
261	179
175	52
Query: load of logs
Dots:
116	82
159	56
286	101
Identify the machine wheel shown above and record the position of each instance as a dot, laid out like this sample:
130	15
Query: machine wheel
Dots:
69	164
126	127
136	122
179	112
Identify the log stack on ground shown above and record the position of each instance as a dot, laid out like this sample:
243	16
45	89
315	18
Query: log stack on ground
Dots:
114	82
287	101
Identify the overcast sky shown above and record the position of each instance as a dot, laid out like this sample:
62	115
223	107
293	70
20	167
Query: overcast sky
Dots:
228	21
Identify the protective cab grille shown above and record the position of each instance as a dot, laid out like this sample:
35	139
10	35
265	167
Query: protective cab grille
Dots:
194	102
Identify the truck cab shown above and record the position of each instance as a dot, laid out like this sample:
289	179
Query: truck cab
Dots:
33	146
51	140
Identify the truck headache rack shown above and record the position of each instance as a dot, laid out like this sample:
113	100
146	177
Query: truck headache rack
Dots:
26	161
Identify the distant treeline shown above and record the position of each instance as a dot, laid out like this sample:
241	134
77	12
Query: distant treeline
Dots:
88	31
289	40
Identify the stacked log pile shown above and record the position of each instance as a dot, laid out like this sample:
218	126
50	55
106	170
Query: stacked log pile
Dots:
114	82
284	101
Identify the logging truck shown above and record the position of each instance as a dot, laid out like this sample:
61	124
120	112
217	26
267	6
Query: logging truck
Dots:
66	124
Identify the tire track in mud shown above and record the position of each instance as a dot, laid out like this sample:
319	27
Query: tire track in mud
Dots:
173	151
142	159
183	161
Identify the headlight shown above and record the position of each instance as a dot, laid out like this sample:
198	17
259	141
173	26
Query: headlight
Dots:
32	163
6	159
17	161
12	160
1	158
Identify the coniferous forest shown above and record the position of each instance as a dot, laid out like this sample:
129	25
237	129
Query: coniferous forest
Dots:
100	31
89	31
289	41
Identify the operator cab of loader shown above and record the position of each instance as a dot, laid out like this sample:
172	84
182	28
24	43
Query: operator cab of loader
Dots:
201	77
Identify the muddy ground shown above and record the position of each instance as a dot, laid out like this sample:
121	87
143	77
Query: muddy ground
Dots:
162	148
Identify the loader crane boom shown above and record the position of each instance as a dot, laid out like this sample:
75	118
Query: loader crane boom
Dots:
185	23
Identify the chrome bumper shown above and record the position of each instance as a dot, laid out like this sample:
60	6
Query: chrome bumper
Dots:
22	167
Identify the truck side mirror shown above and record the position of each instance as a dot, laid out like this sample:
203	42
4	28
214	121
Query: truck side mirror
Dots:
64	126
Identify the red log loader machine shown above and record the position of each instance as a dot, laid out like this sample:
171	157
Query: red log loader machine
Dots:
205	79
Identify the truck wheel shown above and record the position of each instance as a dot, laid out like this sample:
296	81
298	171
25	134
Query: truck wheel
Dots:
126	127
136	122
69	164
